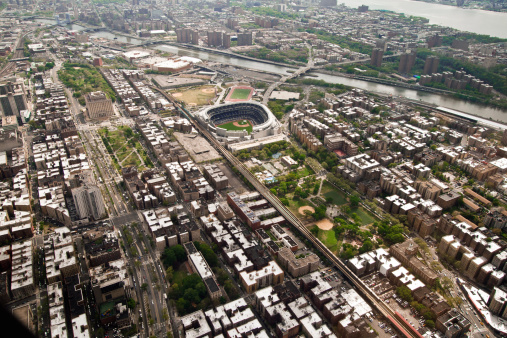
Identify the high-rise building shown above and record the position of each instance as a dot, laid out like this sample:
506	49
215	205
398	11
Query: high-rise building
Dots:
245	39
376	57
12	99
89	202
434	41
431	65
184	35
232	23
407	61
215	39
382	44
195	37
226	40
504	137
98	106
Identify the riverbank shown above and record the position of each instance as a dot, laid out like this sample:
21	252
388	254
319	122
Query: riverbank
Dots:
466	6
223	52
387	82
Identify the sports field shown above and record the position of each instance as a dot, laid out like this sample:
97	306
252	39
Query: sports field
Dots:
240	94
198	96
238	125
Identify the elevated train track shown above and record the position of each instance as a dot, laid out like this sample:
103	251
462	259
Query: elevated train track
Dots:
400	324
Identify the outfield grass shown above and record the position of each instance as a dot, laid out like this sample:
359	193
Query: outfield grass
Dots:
198	96
328	238
295	205
231	126
240	94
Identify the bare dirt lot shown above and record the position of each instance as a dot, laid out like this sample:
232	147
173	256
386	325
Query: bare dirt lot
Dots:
197	147
195	96
302	209
325	224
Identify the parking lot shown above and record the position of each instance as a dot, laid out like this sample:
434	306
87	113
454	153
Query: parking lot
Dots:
197	147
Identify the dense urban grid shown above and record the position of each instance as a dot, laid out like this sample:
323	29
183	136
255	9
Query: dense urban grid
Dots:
250	169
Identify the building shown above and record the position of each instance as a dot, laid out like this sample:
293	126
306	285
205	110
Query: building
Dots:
452	324
407	61
215	39
252	281
201	267
406	253
297	266
497	302
98	106
376	57
245	39
431	65
12	99
89	203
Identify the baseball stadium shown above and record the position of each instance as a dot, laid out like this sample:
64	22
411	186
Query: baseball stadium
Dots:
239	121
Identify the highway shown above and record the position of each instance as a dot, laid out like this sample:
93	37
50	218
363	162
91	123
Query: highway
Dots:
404	328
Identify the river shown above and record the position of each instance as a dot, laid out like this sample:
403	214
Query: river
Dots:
470	20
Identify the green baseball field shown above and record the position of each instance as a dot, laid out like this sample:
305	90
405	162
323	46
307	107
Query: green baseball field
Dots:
238	125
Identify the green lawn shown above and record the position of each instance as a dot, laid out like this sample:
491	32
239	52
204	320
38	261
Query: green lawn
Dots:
240	94
304	172
295	205
231	126
328	238
364	215
338	197
133	159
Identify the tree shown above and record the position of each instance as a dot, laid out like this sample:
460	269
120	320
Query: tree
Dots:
169	273
405	293
131	303
208	254
354	200
168	257
182	305
367	246
144	287
430	323
192	296
180	253
201	290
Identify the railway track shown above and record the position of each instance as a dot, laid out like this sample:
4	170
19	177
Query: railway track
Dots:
399	323
11	66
